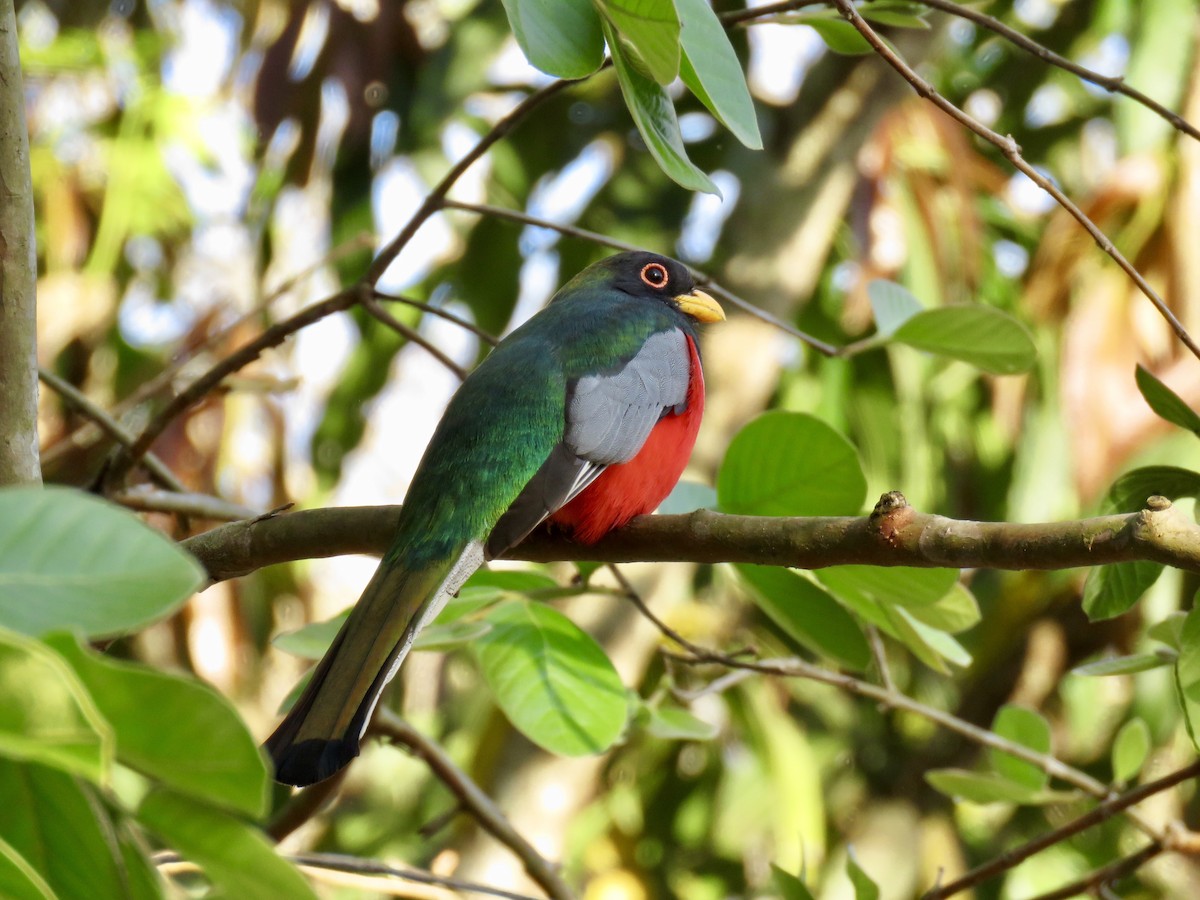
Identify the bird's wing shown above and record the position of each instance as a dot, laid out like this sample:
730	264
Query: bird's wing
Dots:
609	415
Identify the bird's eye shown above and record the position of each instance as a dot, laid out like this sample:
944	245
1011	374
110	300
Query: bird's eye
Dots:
655	275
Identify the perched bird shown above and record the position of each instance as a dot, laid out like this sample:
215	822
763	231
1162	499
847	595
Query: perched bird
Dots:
585	416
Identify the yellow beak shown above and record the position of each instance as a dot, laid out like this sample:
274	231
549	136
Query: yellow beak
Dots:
700	306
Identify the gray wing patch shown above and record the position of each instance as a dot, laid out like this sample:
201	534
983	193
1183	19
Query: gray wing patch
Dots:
609	416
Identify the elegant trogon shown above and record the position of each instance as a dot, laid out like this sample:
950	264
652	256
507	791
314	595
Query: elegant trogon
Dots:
585	416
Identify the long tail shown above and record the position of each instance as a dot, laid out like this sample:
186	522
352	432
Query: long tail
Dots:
321	733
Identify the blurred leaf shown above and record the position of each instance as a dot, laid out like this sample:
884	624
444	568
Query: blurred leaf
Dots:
905	586
46	712
1027	728
671	723
487	275
19	880
931	645
560	37
864	887
650	28
898	14
892	305
200	746
955	612
1130	492
710	68
54	822
553	681
312	640
981	787
71	560
442	638
522	581
1170	630
654	114
790	464
839	36
236	857
808	614
688	496
1166	402
1111	590
1130	749
1187	673
790	887
1125	665
983	336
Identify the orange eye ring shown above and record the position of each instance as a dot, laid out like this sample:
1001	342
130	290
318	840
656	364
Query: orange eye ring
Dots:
655	275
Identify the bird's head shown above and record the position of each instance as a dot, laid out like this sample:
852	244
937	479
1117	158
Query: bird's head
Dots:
651	277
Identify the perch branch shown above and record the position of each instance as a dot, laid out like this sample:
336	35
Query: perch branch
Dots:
1106	875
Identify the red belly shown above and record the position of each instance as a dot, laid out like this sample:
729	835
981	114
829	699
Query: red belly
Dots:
637	487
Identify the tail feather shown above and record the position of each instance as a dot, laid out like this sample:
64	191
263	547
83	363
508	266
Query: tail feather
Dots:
321	733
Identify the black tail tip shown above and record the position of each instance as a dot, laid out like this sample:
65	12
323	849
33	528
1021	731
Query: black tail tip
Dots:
308	762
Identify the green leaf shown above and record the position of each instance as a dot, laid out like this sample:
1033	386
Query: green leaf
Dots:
790	464
312	640
1130	749
790	886
864	887
710	68
892	305
442	638
198	745
654	114
898	15
670	723
1187	673
808	614
904	586
1125	665
71	560
980	787
1027	728
553	681
1170	630
61	829
560	37
19	880
839	36
650	28
1111	590
46	712
1166	402
930	645
983	336
1130	492
521	581
236	857
956	612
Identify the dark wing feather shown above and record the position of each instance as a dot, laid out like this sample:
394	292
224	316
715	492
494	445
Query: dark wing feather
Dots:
608	418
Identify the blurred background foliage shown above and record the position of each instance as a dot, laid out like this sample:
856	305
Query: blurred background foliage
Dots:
203	168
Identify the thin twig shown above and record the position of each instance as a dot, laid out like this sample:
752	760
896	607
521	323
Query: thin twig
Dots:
1012	152
702	278
412	335
201	506
474	799
470	326
1106	875
1107	809
75	398
1112	83
879	654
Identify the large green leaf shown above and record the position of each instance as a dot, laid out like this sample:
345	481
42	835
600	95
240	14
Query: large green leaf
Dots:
46	713
892	305
1130	491
1028	729
236	857
71	560
1130	749
19	880
654	114
839	36
1111	590
1125	665
552	680
891	585
790	464
650	28
711	69
957	611
1166	402
808	613
61	829
980	335
982	787
175	729
560	37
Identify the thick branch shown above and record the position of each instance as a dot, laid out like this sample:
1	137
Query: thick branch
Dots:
18	273
895	535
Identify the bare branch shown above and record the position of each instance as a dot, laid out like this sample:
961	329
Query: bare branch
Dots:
472	797
201	506
19	458
1110	873
411	334
1012	152
441	314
